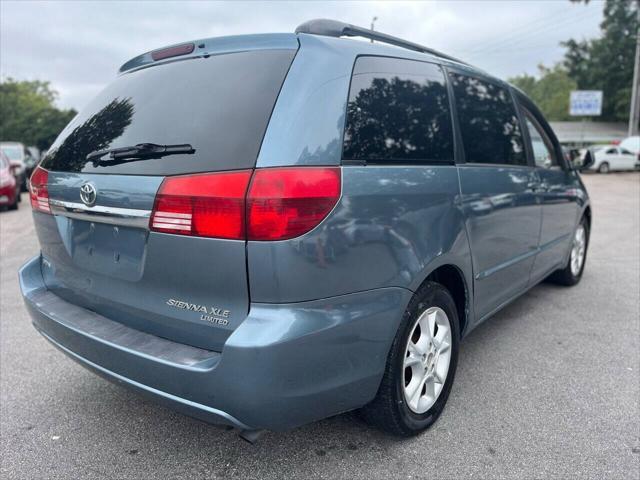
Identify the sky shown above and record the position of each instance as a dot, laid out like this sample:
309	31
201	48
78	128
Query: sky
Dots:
79	46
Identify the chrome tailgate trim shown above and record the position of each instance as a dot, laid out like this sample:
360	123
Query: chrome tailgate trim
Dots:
126	217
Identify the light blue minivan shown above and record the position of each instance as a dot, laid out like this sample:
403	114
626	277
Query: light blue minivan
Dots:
266	230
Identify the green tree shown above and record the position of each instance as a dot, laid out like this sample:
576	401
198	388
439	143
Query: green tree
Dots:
606	63
550	92
28	113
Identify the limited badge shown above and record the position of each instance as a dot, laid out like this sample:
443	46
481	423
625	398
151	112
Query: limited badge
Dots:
216	315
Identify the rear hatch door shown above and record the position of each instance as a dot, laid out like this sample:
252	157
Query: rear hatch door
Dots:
98	250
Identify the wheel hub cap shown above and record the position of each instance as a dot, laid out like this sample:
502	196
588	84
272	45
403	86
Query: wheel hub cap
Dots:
578	250
427	359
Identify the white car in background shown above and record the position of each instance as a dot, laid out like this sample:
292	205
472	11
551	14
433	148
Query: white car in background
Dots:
632	144
614	157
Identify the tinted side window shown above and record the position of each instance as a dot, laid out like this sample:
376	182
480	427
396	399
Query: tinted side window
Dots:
398	111
488	122
543	153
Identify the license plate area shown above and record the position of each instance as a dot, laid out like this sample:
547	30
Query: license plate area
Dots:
110	250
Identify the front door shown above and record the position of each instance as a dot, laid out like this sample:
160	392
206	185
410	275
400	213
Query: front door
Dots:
557	194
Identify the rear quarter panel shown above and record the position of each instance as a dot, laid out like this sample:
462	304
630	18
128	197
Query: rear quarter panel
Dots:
393	224
391	227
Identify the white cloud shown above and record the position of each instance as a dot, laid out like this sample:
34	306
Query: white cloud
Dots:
79	46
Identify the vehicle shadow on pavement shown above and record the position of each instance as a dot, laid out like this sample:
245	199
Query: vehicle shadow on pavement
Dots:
145	430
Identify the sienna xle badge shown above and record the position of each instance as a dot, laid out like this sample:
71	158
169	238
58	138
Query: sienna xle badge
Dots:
266	230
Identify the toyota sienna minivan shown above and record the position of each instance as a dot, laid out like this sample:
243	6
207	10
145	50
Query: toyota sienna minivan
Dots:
266	230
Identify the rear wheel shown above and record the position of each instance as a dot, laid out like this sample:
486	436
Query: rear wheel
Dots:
604	167
420	367
572	273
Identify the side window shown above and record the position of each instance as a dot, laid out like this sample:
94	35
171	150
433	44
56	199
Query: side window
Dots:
611	151
488	122
624	151
398	112
543	152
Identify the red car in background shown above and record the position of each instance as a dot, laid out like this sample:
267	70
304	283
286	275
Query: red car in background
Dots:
9	186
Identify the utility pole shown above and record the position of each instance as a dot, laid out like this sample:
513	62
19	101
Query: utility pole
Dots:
634	114
373	20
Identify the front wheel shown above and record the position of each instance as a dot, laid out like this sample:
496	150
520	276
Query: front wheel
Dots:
572	273
604	168
420	367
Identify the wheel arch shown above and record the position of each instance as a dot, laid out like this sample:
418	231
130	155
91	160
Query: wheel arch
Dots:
452	278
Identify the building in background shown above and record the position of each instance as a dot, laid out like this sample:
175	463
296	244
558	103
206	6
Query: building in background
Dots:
582	134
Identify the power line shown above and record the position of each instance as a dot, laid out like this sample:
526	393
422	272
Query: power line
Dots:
509	47
526	33
526	38
531	28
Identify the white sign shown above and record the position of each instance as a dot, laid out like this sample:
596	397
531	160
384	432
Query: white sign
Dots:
585	102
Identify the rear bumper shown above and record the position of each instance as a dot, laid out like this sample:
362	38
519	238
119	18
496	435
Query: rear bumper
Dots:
284	366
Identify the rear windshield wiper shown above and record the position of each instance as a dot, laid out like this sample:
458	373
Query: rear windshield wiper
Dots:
138	152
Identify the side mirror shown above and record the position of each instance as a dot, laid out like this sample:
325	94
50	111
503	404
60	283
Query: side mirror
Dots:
582	162
574	154
588	160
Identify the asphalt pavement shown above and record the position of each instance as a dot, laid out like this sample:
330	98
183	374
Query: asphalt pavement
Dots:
548	388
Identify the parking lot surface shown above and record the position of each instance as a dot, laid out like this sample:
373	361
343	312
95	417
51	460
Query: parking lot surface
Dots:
548	388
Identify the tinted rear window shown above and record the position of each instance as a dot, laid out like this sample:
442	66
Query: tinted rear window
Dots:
398	112
488	122
220	105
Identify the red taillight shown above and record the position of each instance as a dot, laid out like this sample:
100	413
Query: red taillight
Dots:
284	203
281	203
207	205
38	190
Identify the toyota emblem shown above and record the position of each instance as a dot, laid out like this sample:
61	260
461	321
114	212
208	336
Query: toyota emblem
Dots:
88	194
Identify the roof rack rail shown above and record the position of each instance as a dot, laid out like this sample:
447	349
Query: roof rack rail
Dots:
334	28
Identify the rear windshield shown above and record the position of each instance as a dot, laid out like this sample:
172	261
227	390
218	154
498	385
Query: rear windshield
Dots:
219	105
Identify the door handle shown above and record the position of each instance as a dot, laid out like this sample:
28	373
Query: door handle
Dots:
537	187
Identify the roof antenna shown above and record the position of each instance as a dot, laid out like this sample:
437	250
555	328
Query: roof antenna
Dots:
373	20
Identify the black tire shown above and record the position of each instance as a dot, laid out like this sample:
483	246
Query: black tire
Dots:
388	411
14	205
604	168
565	276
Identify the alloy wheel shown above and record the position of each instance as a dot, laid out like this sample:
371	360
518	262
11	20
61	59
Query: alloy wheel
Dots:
427	359
578	250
